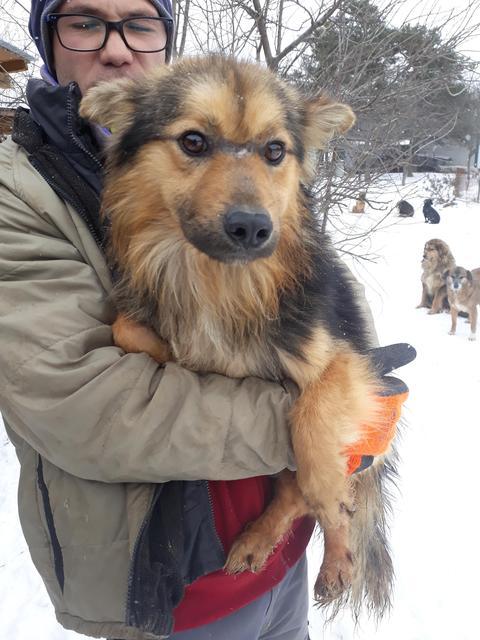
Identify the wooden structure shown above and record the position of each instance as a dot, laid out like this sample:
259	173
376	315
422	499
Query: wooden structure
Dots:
12	60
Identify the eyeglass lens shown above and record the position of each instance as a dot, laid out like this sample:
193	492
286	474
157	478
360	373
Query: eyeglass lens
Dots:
87	33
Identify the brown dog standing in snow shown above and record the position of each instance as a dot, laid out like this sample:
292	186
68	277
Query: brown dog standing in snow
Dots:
463	290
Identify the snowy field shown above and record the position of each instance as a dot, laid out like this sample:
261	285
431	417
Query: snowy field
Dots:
436	528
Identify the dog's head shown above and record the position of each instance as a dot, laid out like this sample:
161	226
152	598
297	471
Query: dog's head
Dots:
212	152
437	254
428	202
458	279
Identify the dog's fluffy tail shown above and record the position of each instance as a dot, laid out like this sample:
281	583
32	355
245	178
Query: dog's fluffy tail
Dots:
372	585
374	574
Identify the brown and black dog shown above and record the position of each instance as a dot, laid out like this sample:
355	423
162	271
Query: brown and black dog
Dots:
437	258
463	290
218	253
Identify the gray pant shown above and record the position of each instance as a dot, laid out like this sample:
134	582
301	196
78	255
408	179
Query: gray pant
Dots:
280	614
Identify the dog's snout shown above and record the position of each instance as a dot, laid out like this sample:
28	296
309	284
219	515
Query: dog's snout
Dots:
250	230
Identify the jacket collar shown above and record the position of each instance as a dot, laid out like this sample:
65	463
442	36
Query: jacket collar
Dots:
55	109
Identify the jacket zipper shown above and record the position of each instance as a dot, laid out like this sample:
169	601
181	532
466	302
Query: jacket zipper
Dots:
146	519
74	138
211	516
132	567
77	142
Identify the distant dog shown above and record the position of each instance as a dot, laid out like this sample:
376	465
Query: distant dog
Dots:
431	215
463	289
222	268
359	206
437	259
405	209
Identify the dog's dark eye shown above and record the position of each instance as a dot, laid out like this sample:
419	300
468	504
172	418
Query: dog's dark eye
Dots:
193	143
274	152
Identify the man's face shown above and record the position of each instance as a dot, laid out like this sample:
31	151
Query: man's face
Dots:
115	60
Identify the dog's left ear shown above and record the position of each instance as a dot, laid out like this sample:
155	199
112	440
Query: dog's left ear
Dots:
469	276
324	119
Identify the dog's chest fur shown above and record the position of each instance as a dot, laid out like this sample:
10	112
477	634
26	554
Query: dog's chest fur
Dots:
466	298
432	281
204	344
242	331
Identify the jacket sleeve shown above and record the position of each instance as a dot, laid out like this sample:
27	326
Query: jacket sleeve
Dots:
98	413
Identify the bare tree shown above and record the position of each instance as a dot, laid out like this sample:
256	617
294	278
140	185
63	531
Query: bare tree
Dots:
405	82
277	32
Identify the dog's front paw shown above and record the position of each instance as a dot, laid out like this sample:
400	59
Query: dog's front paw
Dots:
249	552
472	337
451	332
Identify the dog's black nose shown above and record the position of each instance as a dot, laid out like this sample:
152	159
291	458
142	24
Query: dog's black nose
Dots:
250	230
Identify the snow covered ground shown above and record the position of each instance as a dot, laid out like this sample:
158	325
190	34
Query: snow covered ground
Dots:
436	528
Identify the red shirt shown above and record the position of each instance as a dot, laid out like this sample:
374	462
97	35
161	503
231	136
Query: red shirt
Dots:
235	504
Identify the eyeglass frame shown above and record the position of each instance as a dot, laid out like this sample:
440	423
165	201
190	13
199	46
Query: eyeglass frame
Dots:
53	19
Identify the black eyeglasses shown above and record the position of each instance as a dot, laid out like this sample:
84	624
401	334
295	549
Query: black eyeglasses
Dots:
82	32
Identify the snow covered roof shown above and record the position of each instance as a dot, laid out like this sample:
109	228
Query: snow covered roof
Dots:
12	60
11	57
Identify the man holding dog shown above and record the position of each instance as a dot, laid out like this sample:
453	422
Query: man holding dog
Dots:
135	479
138	552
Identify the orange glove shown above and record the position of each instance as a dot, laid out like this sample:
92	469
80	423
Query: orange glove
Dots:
376	439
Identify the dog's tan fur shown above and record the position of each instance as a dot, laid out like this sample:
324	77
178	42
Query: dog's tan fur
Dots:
212	315
466	298
437	258
359	206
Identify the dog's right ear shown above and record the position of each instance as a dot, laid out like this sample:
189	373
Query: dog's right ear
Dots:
445	275
110	104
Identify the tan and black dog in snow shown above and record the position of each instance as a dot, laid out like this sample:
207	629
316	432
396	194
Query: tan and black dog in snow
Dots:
463	290
437	258
219	257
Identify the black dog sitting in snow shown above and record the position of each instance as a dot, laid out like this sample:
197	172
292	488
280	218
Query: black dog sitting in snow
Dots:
431	215
405	209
